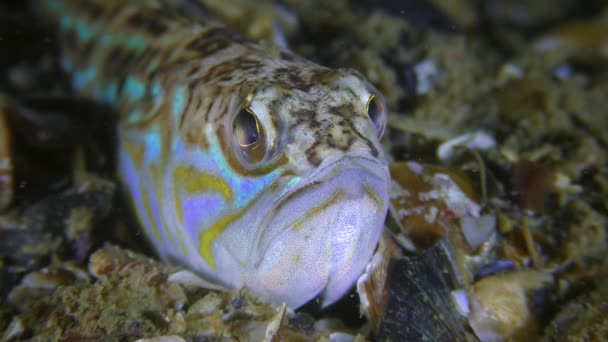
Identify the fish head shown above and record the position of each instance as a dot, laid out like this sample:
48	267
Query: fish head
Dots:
317	228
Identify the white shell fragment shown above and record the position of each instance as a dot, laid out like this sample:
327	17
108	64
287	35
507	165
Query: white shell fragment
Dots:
461	301
446	189
474	141
15	329
186	277
275	324
478	230
427	74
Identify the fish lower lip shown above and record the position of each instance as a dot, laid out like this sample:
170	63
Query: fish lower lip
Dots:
295	207
320	254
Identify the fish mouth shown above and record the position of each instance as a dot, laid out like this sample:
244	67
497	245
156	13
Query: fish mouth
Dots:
336	179
320	234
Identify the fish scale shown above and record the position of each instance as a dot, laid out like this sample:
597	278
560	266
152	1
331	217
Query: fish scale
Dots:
248	164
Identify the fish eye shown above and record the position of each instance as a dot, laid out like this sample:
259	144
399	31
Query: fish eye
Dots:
248	135
246	128
376	111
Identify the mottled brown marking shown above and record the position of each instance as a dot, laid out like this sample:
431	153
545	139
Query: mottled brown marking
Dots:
221	70
247	64
297	80
193	70
213	47
312	156
213	34
147	22
119	60
94	10
185	110
213	41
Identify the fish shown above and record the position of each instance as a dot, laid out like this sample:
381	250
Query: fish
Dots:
245	163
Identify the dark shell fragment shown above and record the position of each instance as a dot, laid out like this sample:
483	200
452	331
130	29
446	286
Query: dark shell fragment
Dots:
420	306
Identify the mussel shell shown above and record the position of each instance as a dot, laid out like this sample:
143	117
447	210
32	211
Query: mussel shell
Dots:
420	306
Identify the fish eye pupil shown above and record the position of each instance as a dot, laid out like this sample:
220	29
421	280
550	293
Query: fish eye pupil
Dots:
245	128
375	112
372	109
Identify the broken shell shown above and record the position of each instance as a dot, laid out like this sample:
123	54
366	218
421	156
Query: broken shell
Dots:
420	305
471	141
502	306
430	202
14	330
371	285
274	325
50	278
207	305
189	278
426	201
532	183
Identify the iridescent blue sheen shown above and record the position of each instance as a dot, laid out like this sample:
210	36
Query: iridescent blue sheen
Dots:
134	89
293	181
179	100
153	148
211	206
110	93
82	78
85	30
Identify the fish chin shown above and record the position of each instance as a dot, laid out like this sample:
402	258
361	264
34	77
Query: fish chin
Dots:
320	241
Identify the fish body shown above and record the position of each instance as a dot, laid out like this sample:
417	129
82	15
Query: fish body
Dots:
248	164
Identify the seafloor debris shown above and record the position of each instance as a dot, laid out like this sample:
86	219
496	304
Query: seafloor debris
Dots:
582	319
126	295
